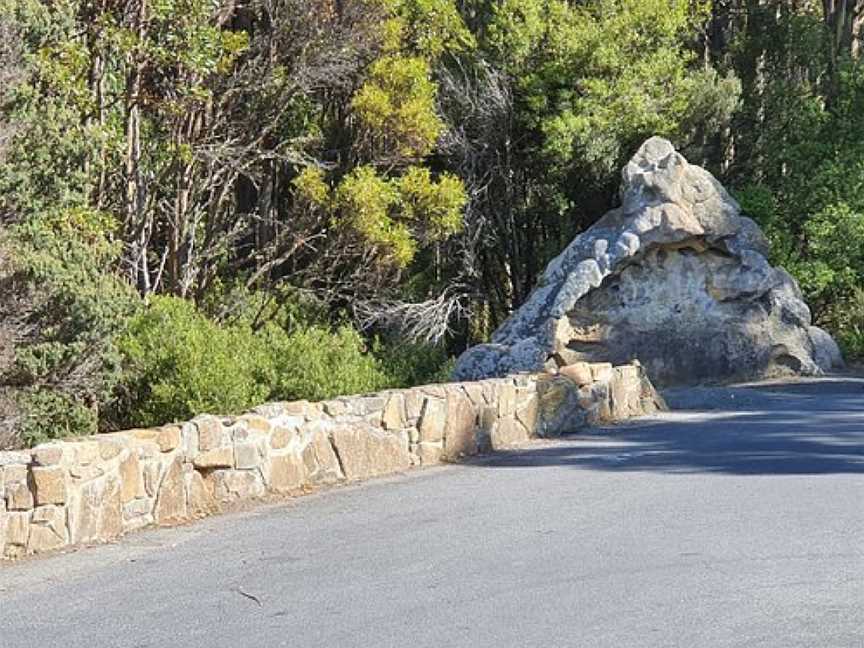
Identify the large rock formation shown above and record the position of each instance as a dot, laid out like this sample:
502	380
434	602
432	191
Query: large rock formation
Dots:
676	277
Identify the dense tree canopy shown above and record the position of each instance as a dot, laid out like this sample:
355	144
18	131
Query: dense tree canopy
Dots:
374	181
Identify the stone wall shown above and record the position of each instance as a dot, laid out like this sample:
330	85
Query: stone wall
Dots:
95	489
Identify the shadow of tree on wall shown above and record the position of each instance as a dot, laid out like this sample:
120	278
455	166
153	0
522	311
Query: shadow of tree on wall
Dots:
801	429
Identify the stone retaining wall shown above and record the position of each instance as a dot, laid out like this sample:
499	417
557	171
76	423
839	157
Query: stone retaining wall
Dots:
95	489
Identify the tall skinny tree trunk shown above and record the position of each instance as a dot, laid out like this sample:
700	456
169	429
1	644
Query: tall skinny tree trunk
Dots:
136	223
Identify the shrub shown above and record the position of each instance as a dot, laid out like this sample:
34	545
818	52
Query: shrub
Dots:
317	363
179	363
60	311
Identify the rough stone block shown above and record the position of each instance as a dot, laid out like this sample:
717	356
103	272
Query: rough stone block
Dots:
506	399
287	473
211	433
367	452
169	438
199	498
230	485
601	371
430	453
282	436
474	391
10	458
320	461
19	497
414	399
17	534
527	413
217	458
86	453
131	479
171	499
432	419
459	438
335	408
393	417
507	433
247	456
49	484
95	511
255	423
48	455
109	448
579	372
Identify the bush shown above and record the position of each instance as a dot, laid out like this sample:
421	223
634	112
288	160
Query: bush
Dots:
60	310
317	363
179	363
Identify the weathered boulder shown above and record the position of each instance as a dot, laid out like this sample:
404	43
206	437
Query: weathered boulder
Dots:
676	277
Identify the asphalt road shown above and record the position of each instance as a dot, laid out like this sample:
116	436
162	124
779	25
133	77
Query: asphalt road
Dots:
734	527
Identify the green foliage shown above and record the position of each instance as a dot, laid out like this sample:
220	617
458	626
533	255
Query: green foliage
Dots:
397	103
65	307
407	364
47	414
179	363
319	362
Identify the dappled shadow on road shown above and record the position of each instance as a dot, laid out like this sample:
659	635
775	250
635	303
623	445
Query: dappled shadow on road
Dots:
794	429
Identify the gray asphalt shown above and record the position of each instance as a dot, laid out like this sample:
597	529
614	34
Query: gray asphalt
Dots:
740	526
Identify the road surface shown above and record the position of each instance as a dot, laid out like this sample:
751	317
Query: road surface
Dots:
740	526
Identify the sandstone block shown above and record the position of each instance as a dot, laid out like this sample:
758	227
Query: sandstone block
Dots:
367	452
17	534
255	423
430	453
109	448
199	498
19	497
86	453
507	433
95	511
131	479
432	420
320	461
48	455
579	372
414	399
171	498
282	436
335	407
601	371
393	417
211	433
247	456
506	399
230	485
287	473
216	458
527	413
459	438
10	458
47	529
49	484
296	408
169	438
474	391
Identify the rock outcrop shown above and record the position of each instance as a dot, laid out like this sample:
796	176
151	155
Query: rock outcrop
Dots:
676	277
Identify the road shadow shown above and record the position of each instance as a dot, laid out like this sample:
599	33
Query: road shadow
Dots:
802	428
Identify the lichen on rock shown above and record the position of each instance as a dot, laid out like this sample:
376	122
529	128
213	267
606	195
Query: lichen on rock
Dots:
676	277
